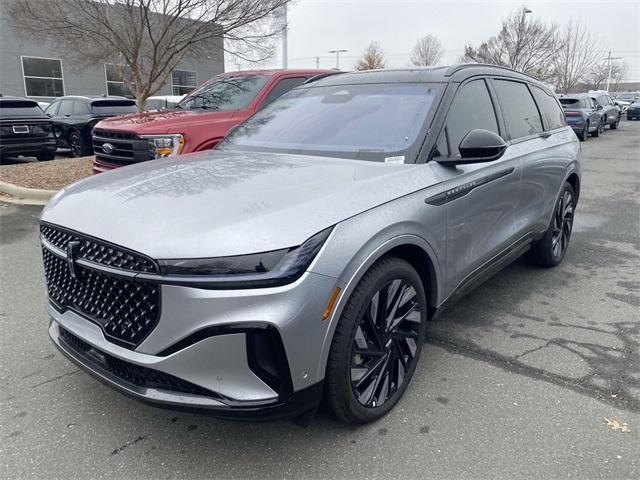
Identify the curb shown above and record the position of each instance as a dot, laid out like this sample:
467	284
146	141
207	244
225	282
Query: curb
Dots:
33	196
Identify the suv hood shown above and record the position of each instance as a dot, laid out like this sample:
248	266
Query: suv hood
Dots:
218	203
164	121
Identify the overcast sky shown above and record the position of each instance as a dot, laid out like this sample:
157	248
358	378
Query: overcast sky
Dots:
316	26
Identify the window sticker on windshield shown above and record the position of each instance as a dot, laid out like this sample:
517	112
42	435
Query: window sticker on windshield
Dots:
396	159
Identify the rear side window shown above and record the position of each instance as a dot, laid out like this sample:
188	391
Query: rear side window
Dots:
570	102
80	108
471	108
19	108
52	109
113	107
66	108
282	87
520	113
553	114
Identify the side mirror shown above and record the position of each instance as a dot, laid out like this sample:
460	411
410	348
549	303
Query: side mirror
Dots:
599	107
478	146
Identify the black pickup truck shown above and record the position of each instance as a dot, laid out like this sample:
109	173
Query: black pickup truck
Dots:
25	130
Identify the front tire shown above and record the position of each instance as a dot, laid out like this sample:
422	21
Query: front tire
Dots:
597	131
551	249
614	125
377	342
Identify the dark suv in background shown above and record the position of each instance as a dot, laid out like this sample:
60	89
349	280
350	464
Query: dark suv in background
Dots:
25	130
74	117
582	115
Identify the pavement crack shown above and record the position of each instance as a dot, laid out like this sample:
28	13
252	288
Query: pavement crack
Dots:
139	438
55	378
531	350
512	365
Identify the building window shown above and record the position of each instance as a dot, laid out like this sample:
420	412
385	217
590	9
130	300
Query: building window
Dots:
42	77
183	81
115	80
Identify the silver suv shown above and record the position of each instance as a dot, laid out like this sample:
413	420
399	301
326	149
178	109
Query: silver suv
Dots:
302	258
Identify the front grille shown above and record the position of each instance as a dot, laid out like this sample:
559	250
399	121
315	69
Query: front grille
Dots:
127	147
135	374
126	309
98	251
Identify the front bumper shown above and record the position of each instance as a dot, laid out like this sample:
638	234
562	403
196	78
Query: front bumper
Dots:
251	354
94	362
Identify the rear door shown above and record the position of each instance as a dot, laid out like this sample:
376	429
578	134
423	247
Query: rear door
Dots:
482	204
62	120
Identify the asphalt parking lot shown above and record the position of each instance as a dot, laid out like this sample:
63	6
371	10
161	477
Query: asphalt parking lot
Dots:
515	381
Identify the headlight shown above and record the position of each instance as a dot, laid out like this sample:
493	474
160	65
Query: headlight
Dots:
267	269
165	145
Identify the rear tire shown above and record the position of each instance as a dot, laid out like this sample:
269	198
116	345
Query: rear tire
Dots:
550	249
78	146
582	136
377	343
597	131
614	125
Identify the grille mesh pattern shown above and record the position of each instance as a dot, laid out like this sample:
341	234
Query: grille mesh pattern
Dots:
98	252
127	311
140	376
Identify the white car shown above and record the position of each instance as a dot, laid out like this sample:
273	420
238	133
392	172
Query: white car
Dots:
625	99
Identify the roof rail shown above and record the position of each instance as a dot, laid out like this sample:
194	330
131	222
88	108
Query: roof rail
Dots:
461	66
320	76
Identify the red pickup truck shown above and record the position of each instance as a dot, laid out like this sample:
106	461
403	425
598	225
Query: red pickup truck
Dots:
199	121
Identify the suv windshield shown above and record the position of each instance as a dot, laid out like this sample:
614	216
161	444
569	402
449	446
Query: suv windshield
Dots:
225	93
369	122
111	107
20	108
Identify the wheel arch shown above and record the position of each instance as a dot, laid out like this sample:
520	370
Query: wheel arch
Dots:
574	180
411	248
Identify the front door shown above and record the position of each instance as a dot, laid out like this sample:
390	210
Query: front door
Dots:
482	198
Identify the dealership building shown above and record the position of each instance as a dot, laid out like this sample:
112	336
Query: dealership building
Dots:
42	70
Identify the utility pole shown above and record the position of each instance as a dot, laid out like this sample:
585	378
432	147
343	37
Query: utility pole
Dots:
317	62
285	53
610	60
337	52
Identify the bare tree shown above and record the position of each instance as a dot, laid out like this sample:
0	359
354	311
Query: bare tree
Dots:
576	57
427	51
599	73
618	76
147	39
525	45
372	58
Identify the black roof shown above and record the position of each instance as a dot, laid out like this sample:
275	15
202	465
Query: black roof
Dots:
453	73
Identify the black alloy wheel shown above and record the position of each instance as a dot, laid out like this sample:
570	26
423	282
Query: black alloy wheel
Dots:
562	225
385	344
75	144
377	342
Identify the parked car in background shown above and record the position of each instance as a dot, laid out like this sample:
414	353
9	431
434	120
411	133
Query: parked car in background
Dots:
582	115
609	111
197	123
625	99
25	130
633	111
163	102
74	117
303	257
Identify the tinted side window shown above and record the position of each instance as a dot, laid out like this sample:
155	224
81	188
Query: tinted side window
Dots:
282	87
66	108
472	108
80	108
521	116
553	114
52	109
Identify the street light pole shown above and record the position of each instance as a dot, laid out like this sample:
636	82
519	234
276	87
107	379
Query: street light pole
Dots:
317	62
610	60
337	52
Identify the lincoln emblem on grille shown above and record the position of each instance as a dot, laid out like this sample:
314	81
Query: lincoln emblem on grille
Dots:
72	251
